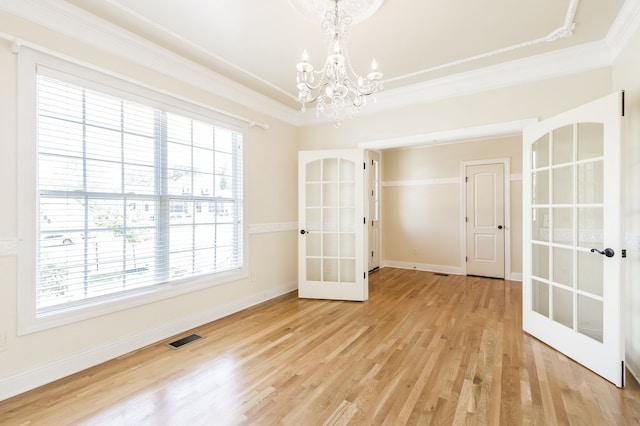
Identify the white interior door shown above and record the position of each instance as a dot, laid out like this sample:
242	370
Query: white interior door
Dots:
332	241
485	220
571	194
373	193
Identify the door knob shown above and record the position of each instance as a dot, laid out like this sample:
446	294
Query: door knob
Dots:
302	231
607	252
499	226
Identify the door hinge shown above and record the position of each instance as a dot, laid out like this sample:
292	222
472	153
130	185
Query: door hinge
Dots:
466	258
624	253
622	103
364	275
466	219
371	254
466	179
364	166
364	220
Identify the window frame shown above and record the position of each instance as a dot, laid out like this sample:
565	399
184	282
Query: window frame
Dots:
29	61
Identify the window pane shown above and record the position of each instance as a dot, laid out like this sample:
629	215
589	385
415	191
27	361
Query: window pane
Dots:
103	144
202	135
139	150
138	119
102	110
60	137
203	160
156	196
139	179
60	173
103	176
179	156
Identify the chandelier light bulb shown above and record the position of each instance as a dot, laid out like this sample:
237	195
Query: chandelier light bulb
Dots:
374	65
305	55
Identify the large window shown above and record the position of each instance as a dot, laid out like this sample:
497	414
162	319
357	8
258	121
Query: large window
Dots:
133	197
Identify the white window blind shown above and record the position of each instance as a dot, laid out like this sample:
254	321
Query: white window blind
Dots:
129	197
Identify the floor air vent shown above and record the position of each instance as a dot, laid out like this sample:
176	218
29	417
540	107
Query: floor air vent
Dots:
184	341
440	274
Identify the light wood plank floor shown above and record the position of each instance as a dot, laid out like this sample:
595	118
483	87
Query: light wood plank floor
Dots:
425	349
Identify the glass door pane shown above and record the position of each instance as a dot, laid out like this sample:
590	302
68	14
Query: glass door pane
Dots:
330	207
566	222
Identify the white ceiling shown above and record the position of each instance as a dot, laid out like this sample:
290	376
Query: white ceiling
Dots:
417	43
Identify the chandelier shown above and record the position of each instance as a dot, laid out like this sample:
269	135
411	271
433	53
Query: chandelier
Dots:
337	89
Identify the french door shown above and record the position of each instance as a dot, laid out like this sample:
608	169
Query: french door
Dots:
571	220
332	241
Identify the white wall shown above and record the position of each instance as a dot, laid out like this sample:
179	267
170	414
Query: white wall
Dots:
31	360
626	76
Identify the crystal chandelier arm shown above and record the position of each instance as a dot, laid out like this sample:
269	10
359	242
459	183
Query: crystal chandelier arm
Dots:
340	91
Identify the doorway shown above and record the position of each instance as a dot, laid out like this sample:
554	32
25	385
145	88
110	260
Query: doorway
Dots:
373	193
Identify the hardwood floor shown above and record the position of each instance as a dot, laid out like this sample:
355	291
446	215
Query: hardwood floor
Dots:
425	349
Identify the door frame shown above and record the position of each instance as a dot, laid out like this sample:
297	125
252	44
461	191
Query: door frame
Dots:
506	163
368	207
453	136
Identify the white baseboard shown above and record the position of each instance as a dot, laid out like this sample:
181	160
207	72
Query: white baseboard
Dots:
28	380
442	269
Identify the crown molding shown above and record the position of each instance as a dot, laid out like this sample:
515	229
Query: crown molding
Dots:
559	63
71	21
627	23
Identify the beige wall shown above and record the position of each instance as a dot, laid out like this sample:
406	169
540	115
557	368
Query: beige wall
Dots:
421	212
496	106
626	76
539	99
272	198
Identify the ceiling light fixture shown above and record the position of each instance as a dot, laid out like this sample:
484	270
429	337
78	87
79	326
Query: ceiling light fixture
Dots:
337	89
